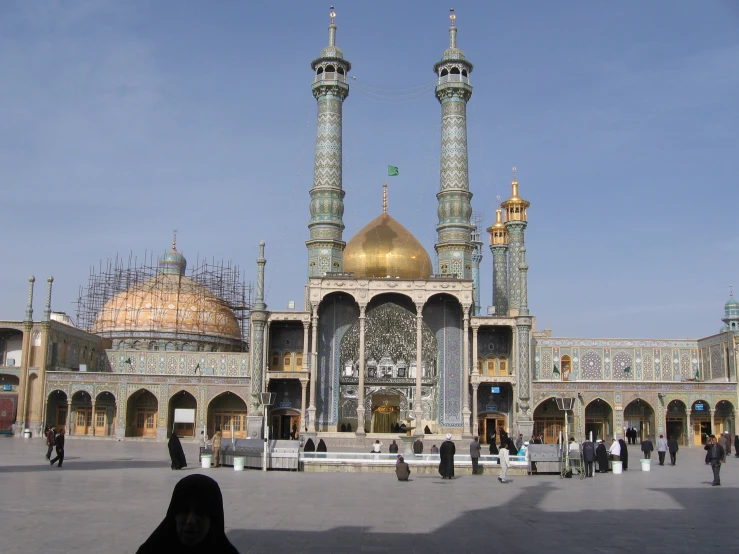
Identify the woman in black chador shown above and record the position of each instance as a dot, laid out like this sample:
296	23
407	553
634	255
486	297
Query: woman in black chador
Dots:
194	522
493	448
601	455
624	453
176	454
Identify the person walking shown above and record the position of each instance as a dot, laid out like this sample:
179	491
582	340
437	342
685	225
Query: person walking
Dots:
647	447
402	470
217	448
50	438
475	453
728	443
661	449
716	456
672	448
418	447
519	442
446	453
203	444
588	456
59	444
736	446
504	456
724	441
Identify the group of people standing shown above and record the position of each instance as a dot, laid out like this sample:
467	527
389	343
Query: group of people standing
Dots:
632	435
55	440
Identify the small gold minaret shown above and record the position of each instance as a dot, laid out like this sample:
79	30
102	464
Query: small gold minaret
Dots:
516	208
498	232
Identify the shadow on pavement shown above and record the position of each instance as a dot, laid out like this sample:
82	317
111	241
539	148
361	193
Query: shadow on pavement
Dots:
71	464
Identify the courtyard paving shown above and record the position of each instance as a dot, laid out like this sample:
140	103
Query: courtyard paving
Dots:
110	495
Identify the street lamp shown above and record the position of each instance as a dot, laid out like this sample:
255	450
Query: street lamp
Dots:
565	404
266	399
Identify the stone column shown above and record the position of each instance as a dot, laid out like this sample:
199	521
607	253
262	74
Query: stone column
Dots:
475	369
306	346
713	421
360	388
313	369
466	381
303	388
70	417
91	431
475	431
418	406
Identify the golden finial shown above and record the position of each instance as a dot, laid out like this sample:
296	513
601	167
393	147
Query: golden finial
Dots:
333	15
498	197
384	198
174	241
452	15
514	174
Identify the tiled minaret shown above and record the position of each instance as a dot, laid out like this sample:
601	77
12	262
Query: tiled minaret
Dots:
454	245
499	247
516	220
325	246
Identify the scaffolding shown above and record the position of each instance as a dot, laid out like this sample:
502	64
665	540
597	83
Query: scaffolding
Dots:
210	287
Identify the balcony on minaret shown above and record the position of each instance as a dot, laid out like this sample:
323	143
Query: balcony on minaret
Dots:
330	73
453	75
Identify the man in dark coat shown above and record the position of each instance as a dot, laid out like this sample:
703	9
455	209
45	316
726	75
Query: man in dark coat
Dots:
446	453
624	454
475	454
176	454
402	470
736	446
647	447
393	448
601	455
673	448
588	457
418	447
716	456
59	444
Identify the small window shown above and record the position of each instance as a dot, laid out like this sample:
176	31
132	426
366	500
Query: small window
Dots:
444	73
464	73
340	71
275	360
330	69
320	70
454	71
287	359
299	360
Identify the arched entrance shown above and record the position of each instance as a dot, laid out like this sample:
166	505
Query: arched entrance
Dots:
549	421
182	400
105	412
639	415
8	402
385	412
285	424
227	411
81	413
723	417
142	408
56	409
598	420
700	416
676	421
489	425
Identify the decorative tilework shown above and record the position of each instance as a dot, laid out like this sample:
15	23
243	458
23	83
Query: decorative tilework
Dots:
591	366
622	360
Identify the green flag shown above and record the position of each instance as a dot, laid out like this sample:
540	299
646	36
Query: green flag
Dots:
392	171
627	369
555	370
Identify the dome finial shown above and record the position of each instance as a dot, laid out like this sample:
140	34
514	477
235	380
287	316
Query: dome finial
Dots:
332	29
174	240
498	197
384	198
731	291
452	29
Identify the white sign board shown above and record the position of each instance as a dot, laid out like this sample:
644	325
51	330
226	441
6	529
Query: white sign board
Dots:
184	415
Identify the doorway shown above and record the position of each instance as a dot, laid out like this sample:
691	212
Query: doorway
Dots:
83	421
675	428
284	425
701	431
488	427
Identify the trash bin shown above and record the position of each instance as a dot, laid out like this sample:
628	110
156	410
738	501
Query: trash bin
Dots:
27	434
206	460
646	465
239	463
618	467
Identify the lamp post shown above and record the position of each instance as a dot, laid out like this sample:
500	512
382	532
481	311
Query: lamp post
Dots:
266	399
565	404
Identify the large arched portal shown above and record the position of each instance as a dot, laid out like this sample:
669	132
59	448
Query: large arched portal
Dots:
56	409
8	402
105	413
676	421
723	417
386	411
598	420
639	415
227	412
81	413
549	421
700	415
142	408
187	407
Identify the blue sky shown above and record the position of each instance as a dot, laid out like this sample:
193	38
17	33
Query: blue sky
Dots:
124	120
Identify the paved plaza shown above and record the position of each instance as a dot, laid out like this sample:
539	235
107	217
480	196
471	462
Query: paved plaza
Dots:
110	495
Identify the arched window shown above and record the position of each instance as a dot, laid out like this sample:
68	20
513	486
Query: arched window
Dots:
330	69
319	71
480	365
287	361
153	345
340	71
298	361
275	361
454	71
444	73
491	366
464	73
503	365
566	369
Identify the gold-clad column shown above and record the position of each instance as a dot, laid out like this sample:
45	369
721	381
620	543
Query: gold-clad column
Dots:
418	407
466	381
313	369
305	367
474	409
475	369
360	388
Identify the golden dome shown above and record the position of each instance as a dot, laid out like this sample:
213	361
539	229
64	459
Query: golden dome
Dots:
516	207
384	248
498	231
169	302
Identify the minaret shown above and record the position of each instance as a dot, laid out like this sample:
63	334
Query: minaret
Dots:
454	245
516	220
499	239
258	320
476	259
326	247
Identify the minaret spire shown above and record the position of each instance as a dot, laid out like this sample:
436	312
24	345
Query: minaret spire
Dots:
330	89
454	246
384	198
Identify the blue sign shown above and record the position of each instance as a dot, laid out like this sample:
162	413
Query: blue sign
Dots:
491	408
699	407
7	387
495	390
285	404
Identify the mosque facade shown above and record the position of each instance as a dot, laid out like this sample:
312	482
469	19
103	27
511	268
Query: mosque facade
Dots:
385	336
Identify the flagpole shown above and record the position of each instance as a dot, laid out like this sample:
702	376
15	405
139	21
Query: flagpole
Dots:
384	198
